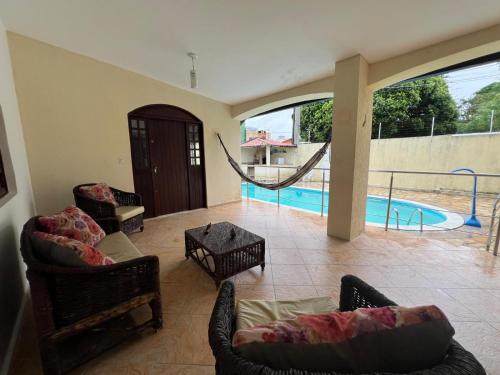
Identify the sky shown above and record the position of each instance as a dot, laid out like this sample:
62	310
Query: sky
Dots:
463	84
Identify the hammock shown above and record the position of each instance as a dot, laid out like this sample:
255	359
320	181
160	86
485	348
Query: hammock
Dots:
301	171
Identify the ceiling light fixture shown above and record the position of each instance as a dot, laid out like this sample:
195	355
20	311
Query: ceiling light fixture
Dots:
192	73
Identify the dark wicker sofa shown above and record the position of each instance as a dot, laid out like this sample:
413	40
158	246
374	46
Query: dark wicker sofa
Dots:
354	294
104	210
80	312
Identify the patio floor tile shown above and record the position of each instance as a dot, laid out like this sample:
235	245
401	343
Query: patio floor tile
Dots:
445	269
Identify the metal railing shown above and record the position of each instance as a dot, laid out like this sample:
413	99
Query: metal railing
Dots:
494	219
492	226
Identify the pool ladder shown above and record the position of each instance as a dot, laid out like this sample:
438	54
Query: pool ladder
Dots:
421	215
396	212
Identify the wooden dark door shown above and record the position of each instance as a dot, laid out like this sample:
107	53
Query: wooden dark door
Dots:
167	159
167	147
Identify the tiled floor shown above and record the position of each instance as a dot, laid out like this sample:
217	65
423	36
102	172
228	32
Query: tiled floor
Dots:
303	261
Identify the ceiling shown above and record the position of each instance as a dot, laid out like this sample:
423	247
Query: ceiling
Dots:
246	49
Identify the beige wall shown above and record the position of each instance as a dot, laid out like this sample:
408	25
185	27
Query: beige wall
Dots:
74	111
15	209
438	154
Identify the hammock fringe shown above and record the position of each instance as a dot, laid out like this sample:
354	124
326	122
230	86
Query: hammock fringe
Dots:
301	171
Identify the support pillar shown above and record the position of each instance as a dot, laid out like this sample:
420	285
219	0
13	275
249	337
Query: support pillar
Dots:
268	155
352	127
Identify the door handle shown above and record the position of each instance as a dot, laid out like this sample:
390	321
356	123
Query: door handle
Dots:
155	169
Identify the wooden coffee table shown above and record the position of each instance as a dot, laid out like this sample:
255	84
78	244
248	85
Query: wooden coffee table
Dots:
222	256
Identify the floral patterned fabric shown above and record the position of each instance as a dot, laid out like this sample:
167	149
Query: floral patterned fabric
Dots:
100	192
86	252
73	223
336	327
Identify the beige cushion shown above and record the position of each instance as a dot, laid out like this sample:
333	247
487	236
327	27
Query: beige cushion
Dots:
252	312
118	247
126	212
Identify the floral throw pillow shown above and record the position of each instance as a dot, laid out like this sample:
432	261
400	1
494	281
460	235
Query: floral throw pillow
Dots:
100	192
86	252
73	223
385	339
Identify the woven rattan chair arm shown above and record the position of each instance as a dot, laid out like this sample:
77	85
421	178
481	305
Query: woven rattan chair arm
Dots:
76	293
221	326
95	270
355	293
126	198
95	209
109	224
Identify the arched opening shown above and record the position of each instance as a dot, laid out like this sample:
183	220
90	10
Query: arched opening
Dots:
168	160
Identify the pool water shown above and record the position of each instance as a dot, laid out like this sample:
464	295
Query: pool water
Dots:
376	208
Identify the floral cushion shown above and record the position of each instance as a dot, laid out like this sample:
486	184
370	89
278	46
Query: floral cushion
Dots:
73	223
100	192
86	252
393	339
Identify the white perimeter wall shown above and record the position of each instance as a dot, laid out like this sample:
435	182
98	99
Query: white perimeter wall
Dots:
481	152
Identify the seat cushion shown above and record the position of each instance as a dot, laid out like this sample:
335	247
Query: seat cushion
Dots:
252	312
85	252
369	340
118	247
127	212
73	223
99	192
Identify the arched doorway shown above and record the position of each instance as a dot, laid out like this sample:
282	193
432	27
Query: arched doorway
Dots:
167	159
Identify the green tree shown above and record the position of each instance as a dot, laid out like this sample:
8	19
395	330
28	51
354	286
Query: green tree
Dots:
403	110
476	112
316	121
407	109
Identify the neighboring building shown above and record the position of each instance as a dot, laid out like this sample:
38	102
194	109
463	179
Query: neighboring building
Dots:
265	151
253	133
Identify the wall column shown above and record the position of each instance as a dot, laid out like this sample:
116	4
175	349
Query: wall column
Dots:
352	125
268	155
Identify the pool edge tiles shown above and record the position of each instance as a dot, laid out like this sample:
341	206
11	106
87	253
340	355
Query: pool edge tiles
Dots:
451	219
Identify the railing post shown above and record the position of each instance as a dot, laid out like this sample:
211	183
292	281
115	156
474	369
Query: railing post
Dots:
323	193
497	241
389	202
492	224
491	120
248	183
278	189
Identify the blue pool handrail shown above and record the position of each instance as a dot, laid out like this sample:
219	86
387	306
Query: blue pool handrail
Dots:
472	220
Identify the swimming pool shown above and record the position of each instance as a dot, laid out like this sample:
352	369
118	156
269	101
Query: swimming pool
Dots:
434	218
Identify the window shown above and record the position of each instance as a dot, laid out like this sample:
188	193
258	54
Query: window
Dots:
194	144
139	143
3	179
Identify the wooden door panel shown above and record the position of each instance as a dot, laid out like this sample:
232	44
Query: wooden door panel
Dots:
169	160
141	163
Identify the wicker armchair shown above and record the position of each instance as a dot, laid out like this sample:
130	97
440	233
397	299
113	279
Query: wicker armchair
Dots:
80	312
100	210
355	293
